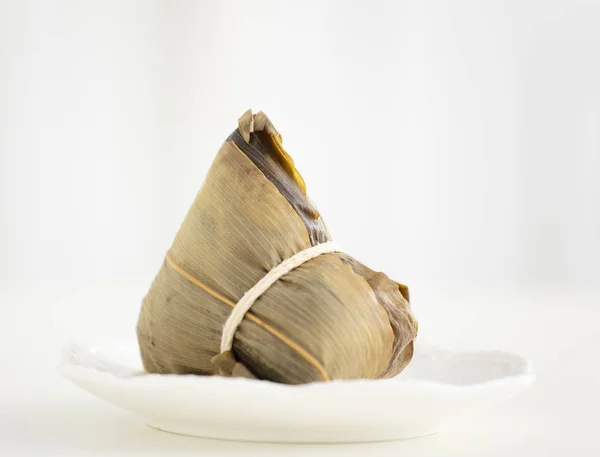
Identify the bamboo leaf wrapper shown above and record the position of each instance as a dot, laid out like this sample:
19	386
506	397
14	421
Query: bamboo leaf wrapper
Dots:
330	318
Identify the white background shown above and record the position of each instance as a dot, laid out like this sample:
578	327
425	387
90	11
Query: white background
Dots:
453	145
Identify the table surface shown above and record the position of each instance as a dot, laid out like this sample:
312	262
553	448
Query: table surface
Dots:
42	414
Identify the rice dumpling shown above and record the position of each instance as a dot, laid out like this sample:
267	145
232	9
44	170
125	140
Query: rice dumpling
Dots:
254	286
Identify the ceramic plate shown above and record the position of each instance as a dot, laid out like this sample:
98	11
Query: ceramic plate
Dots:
435	387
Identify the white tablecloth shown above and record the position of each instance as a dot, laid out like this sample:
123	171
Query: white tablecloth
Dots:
42	414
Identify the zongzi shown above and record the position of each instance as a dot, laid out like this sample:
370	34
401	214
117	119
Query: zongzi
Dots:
254	286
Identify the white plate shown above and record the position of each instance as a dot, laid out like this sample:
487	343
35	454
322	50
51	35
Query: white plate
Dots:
435	387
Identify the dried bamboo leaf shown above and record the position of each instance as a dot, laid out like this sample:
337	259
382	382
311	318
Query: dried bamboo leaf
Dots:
330	318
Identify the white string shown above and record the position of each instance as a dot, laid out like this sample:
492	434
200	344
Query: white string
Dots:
242	306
